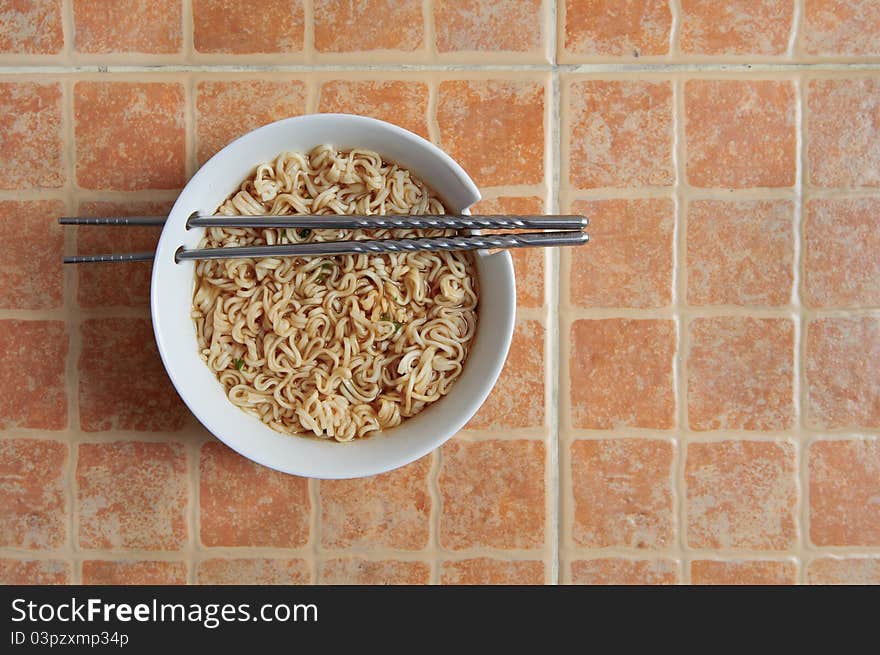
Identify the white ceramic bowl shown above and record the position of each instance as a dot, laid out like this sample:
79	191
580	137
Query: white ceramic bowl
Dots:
172	288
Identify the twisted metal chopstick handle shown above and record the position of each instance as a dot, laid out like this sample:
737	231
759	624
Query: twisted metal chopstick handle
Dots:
378	246
392	222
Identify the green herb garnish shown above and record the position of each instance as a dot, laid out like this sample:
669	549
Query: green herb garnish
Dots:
327	266
238	363
320	279
397	327
304	233
385	317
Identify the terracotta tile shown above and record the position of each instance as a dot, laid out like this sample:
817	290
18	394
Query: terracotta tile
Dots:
743	572
32	380
132	495
843	373
628	262
741	494
129	135
494	129
621	571
225	110
848	571
253	572
390	510
844	492
31	149
130	572
492	494
485	571
617	28
740	252
147	26
231	27
621	134
34	243
33	514
528	263
736	27
622	492
740	133
843	132
740	373
34	572
114	286
365	572
245	504
122	383
517	401
344	26
621	373
395	101
488	25
842	238
841	27
31	27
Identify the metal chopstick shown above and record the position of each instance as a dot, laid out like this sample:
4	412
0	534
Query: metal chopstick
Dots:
373	222
113	220
368	247
111	258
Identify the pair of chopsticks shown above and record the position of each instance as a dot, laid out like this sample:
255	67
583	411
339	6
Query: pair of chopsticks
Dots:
566	231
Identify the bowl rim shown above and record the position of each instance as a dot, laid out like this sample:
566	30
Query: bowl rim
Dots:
398	459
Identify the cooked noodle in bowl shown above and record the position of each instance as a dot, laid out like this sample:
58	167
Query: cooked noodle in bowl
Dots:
334	347
265	332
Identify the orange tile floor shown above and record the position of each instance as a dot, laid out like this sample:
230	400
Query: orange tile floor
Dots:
692	398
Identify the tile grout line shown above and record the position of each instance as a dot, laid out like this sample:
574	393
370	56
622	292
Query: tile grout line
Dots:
430	45
550	11
314	493
72	322
313	87
799	372
797	24
108	436
720	435
68	31
432	106
551	299
701	193
366	553
372	554
563	322
308	31
707	311
85	195
273	553
434	515
679	294
608	69
192	447
187	26
675	29
673	553
476	436
190	158
192	452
